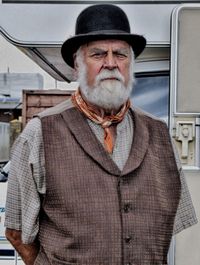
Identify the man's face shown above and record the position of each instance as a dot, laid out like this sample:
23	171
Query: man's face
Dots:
105	73
109	55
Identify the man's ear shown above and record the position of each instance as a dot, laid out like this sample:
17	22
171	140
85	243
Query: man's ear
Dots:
75	62
75	74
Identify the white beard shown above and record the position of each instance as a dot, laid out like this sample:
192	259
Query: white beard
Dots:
106	94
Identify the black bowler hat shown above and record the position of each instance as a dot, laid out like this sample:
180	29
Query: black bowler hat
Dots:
100	22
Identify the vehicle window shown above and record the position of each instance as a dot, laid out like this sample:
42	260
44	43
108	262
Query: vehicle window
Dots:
151	93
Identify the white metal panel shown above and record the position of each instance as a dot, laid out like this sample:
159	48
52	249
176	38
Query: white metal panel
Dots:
52	24
40	29
185	63
184	102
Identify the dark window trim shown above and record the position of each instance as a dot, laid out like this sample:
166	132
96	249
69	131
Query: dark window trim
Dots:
97	2
152	74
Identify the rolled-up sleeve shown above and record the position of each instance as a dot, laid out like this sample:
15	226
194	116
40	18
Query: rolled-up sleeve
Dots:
26	182
185	215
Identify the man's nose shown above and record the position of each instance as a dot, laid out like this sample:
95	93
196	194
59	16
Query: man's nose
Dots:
110	61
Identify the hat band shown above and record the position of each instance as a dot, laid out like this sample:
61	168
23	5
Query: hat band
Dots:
99	32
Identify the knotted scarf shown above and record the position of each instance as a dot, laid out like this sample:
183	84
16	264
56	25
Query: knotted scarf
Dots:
105	121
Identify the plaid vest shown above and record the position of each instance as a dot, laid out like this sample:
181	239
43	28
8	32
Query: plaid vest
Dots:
95	214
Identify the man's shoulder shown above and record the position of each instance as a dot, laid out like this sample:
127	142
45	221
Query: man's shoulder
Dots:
32	129
57	109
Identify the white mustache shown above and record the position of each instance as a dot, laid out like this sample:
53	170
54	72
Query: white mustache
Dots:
109	74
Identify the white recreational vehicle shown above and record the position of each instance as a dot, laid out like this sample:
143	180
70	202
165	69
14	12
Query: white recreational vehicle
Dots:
167	73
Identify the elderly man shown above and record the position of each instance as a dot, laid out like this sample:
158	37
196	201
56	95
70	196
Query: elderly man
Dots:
94	181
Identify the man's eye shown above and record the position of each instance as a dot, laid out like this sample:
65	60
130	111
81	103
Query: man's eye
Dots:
97	55
121	55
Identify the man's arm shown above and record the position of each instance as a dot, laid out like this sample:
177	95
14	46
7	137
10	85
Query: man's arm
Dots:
26	184
28	252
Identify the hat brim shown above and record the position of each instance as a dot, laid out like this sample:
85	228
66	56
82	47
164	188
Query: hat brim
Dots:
70	46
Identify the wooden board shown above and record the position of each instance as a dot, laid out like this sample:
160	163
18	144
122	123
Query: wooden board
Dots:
35	101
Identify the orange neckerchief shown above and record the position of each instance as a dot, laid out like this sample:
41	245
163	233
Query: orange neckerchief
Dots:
105	122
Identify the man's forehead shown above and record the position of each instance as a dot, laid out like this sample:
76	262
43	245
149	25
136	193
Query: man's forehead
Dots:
105	44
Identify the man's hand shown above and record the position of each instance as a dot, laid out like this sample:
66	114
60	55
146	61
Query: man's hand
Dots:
28	252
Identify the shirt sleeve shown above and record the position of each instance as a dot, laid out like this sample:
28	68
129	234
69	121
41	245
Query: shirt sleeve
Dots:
185	216
26	182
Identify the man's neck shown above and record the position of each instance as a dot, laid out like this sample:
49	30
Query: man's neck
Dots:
103	112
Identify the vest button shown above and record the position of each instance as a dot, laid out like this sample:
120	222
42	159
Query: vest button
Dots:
125	181
128	239
127	207
129	263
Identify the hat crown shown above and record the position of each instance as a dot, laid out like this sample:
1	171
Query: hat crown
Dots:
101	22
103	17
